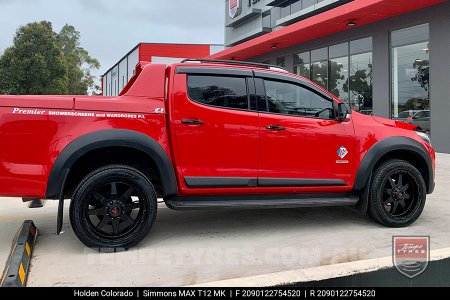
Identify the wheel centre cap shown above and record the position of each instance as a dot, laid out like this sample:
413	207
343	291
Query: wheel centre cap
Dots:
115	210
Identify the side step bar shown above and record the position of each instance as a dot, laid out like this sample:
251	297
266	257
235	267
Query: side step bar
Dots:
261	201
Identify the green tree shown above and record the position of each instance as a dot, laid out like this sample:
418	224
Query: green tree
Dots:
44	62
79	63
34	64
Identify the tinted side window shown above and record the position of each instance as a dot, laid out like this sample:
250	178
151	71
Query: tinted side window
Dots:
229	92
291	99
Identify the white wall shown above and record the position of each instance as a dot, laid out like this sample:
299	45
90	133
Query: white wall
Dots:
216	48
114	80
133	60
123	76
166	60
109	84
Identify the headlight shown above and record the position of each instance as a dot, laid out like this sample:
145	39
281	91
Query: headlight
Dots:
424	137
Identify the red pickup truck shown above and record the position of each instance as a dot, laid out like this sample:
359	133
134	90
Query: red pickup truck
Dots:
208	134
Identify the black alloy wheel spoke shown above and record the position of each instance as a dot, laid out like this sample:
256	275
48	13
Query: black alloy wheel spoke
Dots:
399	193
394	207
392	182
100	198
110	210
115	226
97	212
127	194
127	220
132	206
113	190
103	223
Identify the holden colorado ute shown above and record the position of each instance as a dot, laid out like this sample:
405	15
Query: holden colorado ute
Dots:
206	134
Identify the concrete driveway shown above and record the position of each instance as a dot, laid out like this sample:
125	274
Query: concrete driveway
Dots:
192	247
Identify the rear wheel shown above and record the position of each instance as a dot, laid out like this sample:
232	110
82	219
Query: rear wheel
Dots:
397	194
113	207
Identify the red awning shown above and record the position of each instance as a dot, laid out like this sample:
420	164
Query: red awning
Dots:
335	20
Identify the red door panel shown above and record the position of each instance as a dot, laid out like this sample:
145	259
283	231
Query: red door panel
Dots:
213	143
302	146
306	149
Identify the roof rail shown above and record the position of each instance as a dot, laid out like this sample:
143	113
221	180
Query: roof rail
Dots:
234	62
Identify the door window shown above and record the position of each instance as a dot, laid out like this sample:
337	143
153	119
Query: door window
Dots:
291	99
228	92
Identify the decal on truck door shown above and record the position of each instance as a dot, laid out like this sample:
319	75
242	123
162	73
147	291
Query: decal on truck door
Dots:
75	113
342	153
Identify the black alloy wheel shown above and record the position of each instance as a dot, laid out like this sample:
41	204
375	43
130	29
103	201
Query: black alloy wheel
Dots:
111	211
397	194
113	207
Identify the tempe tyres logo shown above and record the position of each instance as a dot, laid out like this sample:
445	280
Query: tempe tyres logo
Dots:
411	254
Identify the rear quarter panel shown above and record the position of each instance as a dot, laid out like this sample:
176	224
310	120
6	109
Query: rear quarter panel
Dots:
30	143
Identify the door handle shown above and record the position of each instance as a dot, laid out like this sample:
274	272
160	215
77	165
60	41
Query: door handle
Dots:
191	122
275	128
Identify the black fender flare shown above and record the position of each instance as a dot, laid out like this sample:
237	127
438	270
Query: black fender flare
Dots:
110	138
385	146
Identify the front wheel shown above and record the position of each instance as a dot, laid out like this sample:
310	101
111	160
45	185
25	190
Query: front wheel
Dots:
397	194
113	207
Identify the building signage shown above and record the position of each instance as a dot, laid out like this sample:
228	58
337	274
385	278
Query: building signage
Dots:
234	8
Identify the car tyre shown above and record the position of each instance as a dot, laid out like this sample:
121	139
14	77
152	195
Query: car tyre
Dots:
113	207
397	194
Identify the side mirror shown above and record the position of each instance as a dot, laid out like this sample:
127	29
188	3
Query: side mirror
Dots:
344	112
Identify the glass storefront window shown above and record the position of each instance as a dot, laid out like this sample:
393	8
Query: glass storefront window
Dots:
338	78
319	73
361	46
344	69
319	67
281	61
339	50
338	73
410	75
360	82
301	64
